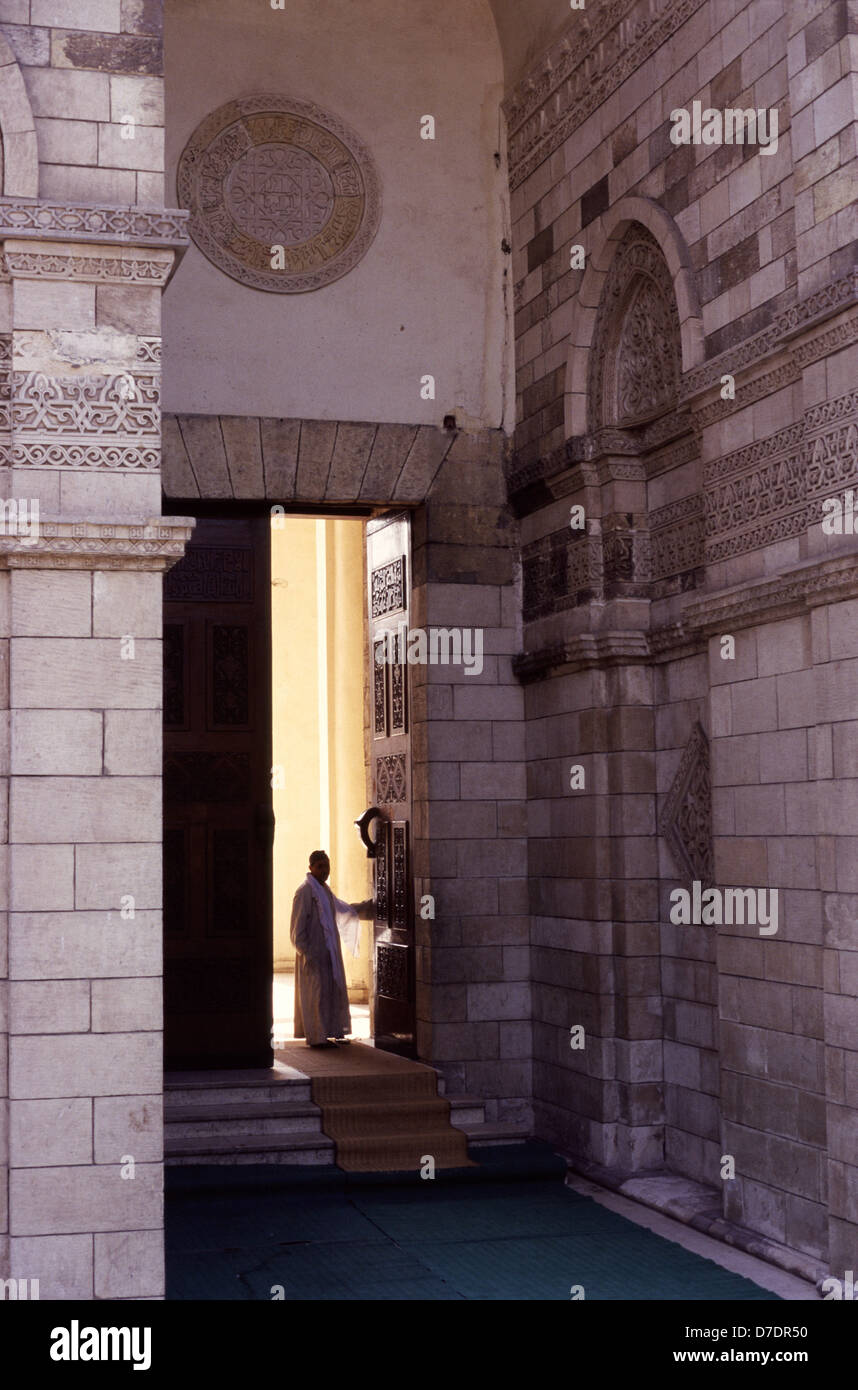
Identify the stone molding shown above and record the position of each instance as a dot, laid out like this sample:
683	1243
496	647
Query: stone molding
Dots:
585	650
603	448
809	312
95	222
28	260
790	595
154	545
591	59
794	592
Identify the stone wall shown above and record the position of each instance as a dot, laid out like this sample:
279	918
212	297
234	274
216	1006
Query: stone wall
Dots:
703	521
83	269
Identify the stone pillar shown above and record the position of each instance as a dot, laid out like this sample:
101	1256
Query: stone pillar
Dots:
83	551
473	974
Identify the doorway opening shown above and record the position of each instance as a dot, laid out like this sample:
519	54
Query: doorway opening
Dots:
287	717
320	737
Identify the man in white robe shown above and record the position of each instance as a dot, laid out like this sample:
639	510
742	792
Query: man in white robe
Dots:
319	921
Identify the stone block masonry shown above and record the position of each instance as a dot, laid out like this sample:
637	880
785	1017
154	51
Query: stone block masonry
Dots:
702	511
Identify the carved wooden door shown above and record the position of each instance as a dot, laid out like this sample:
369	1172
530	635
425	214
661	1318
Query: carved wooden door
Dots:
218	821
389	582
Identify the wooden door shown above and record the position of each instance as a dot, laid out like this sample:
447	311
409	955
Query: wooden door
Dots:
218	821
389	583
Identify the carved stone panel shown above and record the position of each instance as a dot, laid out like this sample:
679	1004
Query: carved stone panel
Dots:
636	362
686	820
265	172
560	571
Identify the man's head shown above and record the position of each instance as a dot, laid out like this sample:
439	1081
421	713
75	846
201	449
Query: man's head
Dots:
320	865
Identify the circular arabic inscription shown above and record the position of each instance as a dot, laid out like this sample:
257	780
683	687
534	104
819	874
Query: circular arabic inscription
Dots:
272	182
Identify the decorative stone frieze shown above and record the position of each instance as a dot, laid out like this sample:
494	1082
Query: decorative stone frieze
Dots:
765	492
750	605
113	267
53	416
592	59
155	545
815	309
127	226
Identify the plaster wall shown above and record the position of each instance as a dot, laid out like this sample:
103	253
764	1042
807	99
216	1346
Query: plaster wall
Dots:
428	296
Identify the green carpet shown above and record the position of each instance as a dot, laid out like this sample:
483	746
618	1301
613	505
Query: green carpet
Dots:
509	1230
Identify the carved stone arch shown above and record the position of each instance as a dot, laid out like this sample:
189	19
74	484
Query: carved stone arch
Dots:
669	261
19	158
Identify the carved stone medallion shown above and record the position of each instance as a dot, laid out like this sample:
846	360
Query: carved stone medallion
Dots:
270	181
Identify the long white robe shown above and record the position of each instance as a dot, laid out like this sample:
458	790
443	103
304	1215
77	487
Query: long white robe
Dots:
321	995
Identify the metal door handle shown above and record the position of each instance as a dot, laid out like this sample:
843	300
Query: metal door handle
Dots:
363	823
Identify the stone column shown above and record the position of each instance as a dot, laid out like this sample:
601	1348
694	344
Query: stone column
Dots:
82	552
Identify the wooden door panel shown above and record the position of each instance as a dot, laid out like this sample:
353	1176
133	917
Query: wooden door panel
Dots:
388	571
217	799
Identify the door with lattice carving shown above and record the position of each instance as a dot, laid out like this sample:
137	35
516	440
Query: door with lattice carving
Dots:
389	583
218	821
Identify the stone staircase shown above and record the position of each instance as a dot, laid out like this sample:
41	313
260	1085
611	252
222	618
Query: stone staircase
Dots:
269	1117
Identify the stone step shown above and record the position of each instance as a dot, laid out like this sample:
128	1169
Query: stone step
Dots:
466	1110
494	1132
260	1117
304	1148
209	1093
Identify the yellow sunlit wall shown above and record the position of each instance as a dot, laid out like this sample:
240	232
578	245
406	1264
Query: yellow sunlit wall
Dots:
317	601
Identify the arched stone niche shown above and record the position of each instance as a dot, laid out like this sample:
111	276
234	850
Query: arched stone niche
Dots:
19	160
656	281
637	330
635	360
